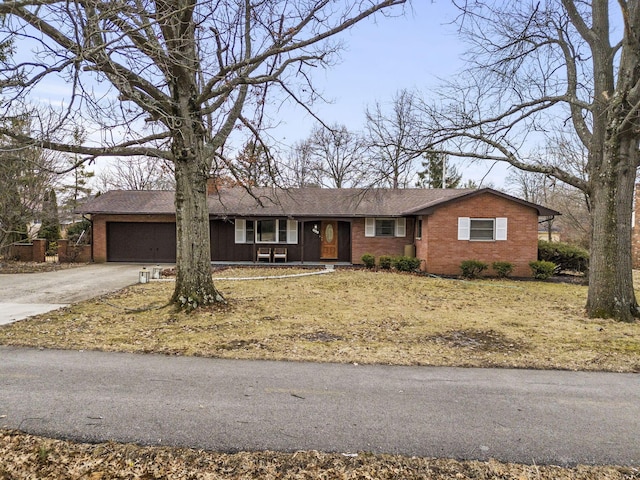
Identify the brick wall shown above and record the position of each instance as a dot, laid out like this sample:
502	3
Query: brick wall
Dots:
377	246
100	229
443	252
29	252
72	253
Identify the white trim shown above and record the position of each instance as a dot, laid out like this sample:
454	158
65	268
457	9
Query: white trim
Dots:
418	227
369	227
401	227
292	231
501	228
241	230
464	228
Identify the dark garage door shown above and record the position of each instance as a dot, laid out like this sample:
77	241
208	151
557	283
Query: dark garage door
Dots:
141	242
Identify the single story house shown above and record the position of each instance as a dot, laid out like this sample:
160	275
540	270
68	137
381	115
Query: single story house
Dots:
442	227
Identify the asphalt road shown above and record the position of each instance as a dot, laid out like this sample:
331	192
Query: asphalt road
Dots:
544	417
26	294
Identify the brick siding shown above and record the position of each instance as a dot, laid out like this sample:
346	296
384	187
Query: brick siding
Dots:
377	246
443	252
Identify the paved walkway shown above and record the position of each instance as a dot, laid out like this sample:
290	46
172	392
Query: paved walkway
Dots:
544	417
26	294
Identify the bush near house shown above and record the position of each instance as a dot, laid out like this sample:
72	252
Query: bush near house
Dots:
542	269
473	268
502	269
406	264
368	260
385	262
564	255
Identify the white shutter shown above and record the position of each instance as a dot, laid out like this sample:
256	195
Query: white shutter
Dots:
464	228
241	230
292	231
369	227
401	227
501	228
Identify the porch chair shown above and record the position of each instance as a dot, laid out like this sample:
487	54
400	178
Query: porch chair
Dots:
264	252
280	253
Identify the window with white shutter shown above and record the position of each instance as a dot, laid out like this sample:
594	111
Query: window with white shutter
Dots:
241	232
369	227
292	231
464	228
501	228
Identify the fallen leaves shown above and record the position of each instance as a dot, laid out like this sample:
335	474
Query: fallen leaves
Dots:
29	456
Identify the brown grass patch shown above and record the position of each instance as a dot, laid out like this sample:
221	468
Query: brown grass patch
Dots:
351	316
11	266
37	457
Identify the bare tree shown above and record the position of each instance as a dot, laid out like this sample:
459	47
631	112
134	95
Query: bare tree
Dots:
300	170
337	155
393	139
253	166
137	173
180	76
540	67
26	178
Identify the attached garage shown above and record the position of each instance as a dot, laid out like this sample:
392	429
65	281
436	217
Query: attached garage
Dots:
141	242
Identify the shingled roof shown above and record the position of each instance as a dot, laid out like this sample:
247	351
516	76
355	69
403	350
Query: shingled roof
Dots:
296	202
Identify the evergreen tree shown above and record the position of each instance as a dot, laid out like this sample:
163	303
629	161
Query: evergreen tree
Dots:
50	228
431	176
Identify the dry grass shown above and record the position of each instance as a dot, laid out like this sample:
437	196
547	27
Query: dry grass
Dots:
36	457
352	316
11	266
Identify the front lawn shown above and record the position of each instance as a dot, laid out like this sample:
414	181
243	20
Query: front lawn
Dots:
351	316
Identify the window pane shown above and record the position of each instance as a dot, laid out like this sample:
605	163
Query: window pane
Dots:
482	229
385	227
251	233
266	230
282	231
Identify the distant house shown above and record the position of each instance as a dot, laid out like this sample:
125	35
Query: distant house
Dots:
442	227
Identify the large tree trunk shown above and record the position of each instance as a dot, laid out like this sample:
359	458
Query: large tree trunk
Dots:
194	285
611	293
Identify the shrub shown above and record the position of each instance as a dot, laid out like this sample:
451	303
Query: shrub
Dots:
368	260
52	248
502	269
75	232
542	269
406	264
472	268
385	262
564	255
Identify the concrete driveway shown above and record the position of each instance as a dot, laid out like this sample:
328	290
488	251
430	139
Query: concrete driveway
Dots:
26	294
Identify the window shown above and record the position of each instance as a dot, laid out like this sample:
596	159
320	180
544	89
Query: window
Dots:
385	227
482	229
418	228
266	231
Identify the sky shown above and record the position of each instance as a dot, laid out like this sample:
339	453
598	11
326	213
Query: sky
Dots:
383	56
